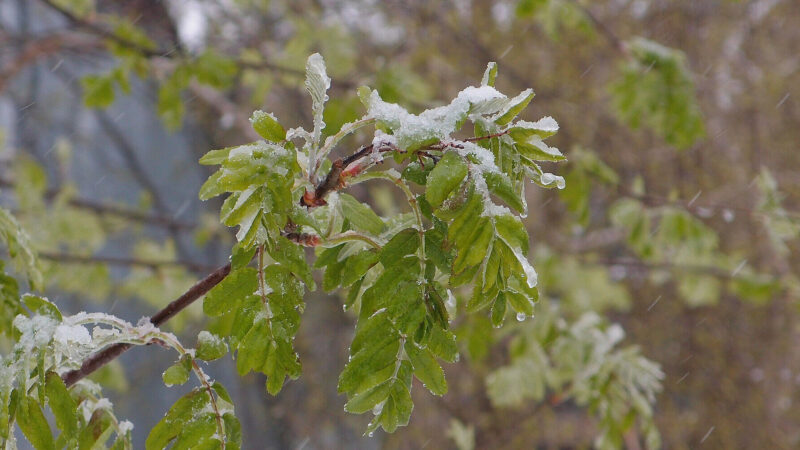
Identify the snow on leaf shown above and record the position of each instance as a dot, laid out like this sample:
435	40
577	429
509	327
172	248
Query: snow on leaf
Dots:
317	84
436	124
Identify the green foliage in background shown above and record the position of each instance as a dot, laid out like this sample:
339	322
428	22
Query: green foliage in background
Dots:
284	194
440	285
655	89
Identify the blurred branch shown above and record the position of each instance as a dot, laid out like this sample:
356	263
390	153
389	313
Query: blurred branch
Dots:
33	50
703	210
716	271
121	261
128	153
103	357
115	210
225	106
612	38
93	28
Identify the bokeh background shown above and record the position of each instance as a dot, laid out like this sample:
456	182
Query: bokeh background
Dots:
679	220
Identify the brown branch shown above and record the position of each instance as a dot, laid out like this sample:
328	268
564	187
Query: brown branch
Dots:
105	356
121	261
330	183
488	136
347	167
341	169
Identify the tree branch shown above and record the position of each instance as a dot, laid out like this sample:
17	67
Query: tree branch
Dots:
616	43
341	170
41	47
715	271
102	208
97	30
105	356
121	261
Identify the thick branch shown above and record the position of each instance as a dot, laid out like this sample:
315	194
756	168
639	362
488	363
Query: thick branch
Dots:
105	356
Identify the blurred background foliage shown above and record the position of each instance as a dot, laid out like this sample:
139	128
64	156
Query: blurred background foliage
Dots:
677	231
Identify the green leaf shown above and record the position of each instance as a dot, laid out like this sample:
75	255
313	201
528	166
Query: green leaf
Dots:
499	311
20	249
177	373
214	69
426	368
177	420
535	149
97	431
513	384
216	157
267	126
98	91
544	128
514	107
32	422
317	84
396	411
368	399
360	215
372	358
699	290
406	242
233	431
442	343
42	306
226	295
210	347
756	288
211	187
170	105
500	185
356	266
444	178
473	247
656	90
417	173
241	256
490	74
293	258
64	408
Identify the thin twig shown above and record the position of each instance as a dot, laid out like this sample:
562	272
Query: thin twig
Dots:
105	356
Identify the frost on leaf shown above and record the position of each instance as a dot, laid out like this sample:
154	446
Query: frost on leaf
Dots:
317	84
433	125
